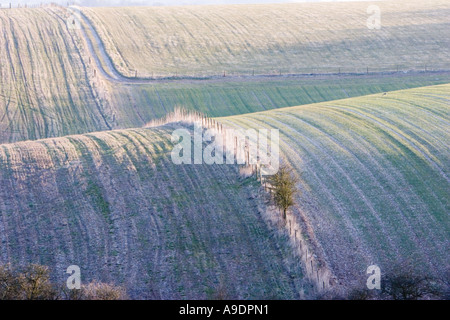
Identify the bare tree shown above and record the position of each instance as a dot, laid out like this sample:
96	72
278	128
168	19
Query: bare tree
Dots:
103	291
95	291
404	282
35	283
9	284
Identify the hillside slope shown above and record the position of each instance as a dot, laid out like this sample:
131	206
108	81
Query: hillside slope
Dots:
115	204
294	37
374	176
50	85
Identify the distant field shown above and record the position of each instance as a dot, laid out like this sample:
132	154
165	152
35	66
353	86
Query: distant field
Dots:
45	89
98	190
48	87
374	176
115	204
238	97
202	40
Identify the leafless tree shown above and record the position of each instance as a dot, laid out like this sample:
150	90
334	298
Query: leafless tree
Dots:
405	282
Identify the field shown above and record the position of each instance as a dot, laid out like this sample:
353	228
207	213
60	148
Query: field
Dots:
363	117
374	176
374	189
218	98
115	204
291	38
57	89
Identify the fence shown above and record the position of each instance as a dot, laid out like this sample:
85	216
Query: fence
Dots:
9	5
231	141
292	72
315	269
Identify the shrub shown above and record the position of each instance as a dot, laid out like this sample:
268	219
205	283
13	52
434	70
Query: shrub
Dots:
33	283
102	291
9	284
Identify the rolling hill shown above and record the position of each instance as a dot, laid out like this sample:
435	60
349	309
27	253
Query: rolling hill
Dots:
96	189
374	176
45	90
292	38
374	190
51	85
114	204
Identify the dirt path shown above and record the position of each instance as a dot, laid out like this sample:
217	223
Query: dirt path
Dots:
111	73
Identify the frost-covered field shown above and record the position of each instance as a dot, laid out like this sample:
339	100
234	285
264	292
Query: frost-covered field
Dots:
374	176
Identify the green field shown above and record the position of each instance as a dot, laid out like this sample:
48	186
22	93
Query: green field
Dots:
218	98
374	176
296	38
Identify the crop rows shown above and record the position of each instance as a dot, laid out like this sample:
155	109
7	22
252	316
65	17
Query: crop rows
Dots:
50	85
292	38
115	204
44	89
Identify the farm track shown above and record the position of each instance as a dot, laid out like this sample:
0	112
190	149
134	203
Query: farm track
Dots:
33	102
